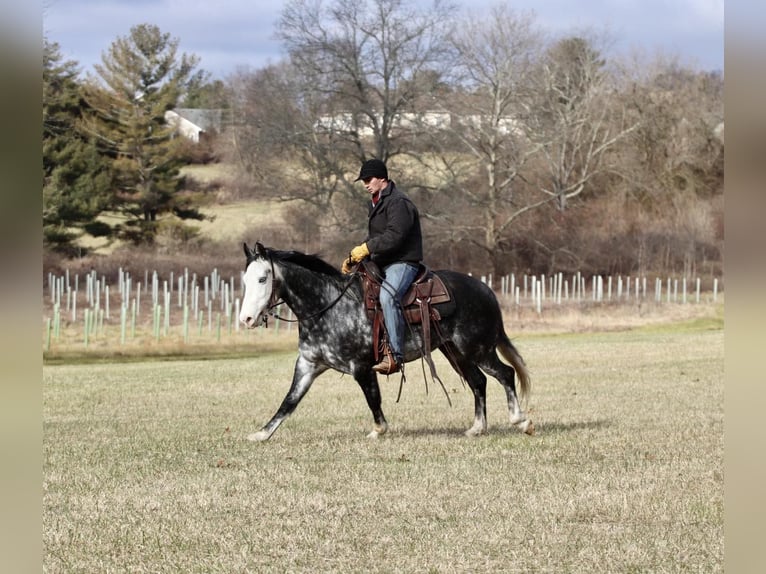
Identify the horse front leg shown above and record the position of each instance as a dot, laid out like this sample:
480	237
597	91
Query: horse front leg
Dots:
304	374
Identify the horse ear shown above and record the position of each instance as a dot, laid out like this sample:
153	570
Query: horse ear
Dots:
259	249
248	251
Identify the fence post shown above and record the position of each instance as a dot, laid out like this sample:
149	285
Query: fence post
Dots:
186	323
123	323
48	334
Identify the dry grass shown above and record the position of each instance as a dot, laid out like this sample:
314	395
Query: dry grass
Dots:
201	343
230	221
236	221
146	468
209	172
588	317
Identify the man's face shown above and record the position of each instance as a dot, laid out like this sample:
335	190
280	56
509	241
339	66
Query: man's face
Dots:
373	185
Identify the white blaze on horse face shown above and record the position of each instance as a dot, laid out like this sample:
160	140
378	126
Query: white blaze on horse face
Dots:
258	282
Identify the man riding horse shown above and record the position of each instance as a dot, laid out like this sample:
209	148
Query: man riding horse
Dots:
395	243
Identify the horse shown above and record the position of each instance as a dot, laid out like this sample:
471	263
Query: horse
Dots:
334	332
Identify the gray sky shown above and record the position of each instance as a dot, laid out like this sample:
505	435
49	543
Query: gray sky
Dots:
228	34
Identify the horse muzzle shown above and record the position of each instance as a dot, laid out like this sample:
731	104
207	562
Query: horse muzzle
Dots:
251	322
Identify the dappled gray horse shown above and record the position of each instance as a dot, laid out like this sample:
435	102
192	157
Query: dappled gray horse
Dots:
334	332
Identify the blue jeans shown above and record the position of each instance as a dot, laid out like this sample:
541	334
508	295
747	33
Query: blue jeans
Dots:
399	277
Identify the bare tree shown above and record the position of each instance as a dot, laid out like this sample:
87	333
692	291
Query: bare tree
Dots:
369	62
355	70
264	119
576	119
673	162
494	57
285	153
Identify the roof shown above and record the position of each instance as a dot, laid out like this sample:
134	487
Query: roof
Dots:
207	120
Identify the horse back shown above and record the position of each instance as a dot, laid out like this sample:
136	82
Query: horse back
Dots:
470	297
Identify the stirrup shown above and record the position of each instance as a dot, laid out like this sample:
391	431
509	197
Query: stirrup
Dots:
387	366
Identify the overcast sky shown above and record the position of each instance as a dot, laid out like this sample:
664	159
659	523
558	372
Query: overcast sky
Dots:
228	34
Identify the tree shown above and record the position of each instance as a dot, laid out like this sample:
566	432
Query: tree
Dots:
77	179
285	153
265	122
142	76
576	120
371	59
678	111
202	93
355	69
494	58
673	163
358	69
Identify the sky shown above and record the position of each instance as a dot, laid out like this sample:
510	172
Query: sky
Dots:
228	35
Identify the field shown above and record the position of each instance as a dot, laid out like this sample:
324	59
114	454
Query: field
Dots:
146	466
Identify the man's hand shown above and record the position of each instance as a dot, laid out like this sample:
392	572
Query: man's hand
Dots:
358	253
346	266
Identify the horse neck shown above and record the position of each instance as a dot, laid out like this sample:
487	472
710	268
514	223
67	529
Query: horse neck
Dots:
306	291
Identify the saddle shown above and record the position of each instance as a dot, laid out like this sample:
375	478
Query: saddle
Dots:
425	303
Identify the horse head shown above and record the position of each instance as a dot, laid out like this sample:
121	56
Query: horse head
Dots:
259	285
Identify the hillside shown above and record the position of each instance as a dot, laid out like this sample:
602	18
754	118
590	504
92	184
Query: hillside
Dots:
229	220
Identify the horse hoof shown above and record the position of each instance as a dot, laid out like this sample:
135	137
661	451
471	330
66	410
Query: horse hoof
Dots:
259	436
473	431
527	427
378	431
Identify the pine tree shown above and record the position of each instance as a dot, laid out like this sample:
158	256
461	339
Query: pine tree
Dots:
77	179
142	76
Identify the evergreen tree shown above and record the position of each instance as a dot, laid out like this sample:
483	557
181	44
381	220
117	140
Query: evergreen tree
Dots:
207	94
142	76
76	177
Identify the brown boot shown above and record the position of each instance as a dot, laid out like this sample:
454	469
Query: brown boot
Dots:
386	366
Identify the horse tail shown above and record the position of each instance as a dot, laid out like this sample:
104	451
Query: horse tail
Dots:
512	355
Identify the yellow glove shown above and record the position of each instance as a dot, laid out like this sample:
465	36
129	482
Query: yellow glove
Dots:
346	266
358	253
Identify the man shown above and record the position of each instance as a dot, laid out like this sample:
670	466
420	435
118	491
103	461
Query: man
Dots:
395	243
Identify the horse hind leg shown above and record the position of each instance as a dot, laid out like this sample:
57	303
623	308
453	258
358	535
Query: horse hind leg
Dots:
506	376
478	384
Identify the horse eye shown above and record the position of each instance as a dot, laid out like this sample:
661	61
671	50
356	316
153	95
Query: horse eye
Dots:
262	279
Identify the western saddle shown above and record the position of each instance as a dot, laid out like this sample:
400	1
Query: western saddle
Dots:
426	302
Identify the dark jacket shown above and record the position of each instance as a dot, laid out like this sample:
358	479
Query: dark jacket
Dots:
394	229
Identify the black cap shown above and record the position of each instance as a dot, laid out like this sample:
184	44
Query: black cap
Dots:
373	168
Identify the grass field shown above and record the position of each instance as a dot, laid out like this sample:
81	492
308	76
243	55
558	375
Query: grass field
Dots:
146	466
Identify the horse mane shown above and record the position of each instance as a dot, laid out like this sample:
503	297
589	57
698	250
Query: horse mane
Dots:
307	261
